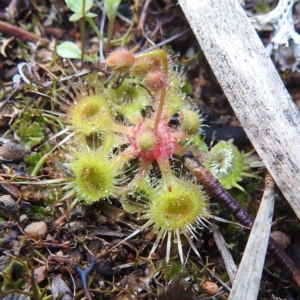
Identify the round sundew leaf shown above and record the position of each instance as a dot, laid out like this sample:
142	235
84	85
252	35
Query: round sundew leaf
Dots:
179	206
95	175
227	164
91	114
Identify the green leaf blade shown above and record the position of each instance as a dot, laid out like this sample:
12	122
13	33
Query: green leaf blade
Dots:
68	50
111	7
75	17
76	6
90	15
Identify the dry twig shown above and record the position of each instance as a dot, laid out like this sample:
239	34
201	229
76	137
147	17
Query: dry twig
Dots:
18	32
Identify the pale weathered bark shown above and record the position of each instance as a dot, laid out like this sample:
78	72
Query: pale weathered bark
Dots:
253	87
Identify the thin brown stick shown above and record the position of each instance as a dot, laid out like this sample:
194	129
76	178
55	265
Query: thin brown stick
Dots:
18	32
215	189
143	15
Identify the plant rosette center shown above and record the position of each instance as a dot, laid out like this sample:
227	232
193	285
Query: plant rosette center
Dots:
150	145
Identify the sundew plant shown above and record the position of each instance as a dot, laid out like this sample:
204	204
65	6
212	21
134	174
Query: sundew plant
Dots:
125	128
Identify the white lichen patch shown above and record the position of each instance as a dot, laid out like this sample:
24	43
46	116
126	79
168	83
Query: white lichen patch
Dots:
281	20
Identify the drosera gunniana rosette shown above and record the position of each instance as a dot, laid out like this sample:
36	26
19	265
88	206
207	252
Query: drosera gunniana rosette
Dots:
121	143
134	114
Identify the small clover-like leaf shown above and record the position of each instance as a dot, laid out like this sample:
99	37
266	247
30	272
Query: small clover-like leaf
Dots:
90	15
32	158
76	5
68	50
31	134
75	17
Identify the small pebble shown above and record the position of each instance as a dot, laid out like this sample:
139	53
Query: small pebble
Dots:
40	274
8	203
23	218
12	151
36	230
60	254
281	238
210	288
